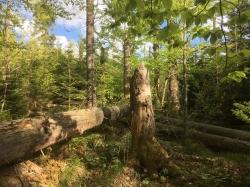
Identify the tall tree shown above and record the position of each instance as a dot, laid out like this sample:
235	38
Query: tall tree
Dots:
174	100
91	83
126	63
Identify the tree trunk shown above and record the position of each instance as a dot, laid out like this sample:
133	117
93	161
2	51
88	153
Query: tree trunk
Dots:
157	74
22	138
145	147
212	129
126	63
173	96
210	140
185	94
164	93
143	123
91	90
6	60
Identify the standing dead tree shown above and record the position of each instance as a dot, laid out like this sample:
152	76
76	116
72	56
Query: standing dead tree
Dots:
145	146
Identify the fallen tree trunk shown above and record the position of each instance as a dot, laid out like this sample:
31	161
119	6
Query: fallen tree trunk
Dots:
210	140
212	129
24	137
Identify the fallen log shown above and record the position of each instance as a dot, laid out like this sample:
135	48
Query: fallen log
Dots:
22	138
212	129
210	140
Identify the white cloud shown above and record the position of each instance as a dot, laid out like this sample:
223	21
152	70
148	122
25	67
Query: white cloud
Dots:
61	42
65	44
77	21
145	49
218	23
26	30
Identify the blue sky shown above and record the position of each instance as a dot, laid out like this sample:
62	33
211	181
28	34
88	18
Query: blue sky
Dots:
72	29
70	33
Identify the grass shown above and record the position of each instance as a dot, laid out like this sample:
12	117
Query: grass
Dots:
100	158
72	174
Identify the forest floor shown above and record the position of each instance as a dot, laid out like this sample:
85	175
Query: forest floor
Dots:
100	158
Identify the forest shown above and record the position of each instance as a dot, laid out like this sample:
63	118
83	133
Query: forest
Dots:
124	93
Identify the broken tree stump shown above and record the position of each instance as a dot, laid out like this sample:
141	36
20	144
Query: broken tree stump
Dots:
145	147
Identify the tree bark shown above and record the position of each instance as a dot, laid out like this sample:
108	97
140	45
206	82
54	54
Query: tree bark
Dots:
210	140
126	64
22	138
6	60
212	129
157	74
164	93
185	91
91	94
142	123
145	147
173	96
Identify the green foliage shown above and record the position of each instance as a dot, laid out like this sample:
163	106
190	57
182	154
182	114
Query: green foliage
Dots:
242	111
236	76
110	88
5	116
68	176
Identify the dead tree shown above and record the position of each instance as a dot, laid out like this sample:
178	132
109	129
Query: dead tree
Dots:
211	129
145	147
213	141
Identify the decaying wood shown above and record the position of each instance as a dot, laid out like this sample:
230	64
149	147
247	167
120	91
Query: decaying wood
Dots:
210	140
144	145
142	122
23	137
211	129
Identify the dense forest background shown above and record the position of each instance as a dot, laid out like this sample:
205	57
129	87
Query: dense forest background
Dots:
197	53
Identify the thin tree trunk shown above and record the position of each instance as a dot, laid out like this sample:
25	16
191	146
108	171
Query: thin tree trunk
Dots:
69	86
4	96
216	56
6	60
184	64
157	74
126	64
91	90
174	100
164	93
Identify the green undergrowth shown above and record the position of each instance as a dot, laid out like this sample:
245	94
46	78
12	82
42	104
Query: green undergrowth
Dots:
100	157
202	166
102	152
